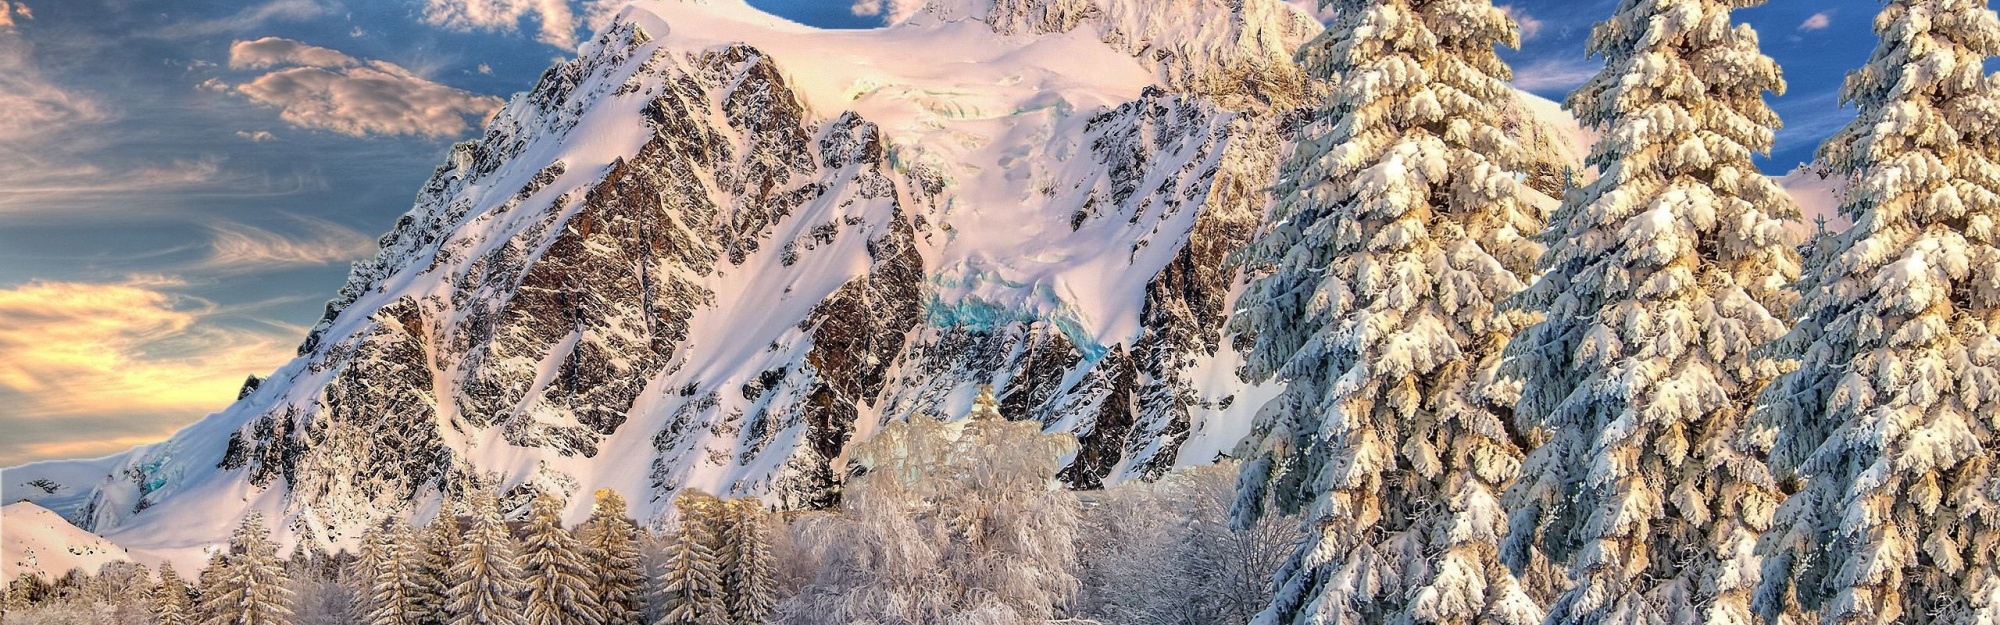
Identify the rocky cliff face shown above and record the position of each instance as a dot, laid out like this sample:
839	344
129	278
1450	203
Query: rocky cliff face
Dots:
717	247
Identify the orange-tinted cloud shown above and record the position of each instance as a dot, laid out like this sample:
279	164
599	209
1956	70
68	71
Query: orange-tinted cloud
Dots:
323	89
132	359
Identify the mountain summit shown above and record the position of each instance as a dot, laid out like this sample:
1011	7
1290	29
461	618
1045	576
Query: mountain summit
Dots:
718	246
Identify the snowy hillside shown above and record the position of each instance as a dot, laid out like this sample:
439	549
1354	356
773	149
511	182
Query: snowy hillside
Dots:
719	246
35	541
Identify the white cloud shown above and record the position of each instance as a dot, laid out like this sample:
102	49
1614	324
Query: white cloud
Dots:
1551	74
1818	21
256	137
273	51
241	248
1530	26
892	11
556	23
485	69
328	90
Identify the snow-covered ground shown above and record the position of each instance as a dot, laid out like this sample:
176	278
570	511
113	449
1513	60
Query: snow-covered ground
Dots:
35	541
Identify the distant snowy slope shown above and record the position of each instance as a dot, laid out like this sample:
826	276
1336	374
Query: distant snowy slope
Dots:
35	541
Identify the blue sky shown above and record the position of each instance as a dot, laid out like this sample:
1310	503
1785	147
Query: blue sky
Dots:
183	182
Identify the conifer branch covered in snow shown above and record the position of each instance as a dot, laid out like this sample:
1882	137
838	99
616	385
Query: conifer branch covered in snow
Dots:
1889	424
1663	277
1399	227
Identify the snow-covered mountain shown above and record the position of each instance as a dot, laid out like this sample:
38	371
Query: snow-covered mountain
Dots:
718	246
39	542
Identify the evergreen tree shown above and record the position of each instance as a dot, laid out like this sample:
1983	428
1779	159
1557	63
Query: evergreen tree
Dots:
485	581
1399	226
559	584
1661	279
397	593
984	406
1889	423
369	565
249	584
693	577
171	599
611	547
439	542
748	583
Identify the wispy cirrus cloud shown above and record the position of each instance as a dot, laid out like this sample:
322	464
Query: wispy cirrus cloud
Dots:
133	358
1555	74
250	17
238	248
1530	26
324	89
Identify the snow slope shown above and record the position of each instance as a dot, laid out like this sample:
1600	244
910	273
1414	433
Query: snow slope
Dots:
718	246
35	541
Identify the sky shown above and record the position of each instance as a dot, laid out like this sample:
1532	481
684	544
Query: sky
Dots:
184	182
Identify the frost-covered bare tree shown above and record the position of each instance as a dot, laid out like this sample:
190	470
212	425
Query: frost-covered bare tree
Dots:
1889	423
1399	226
1166	553
1663	276
946	523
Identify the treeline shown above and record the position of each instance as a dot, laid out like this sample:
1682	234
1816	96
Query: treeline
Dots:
942	522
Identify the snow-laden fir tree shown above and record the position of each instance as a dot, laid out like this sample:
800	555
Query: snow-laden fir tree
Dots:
749	583
1662	277
485	580
397	593
249	585
611	547
438	542
1889	423
692	580
171	603
370	560
559	584
1399	226
984	405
